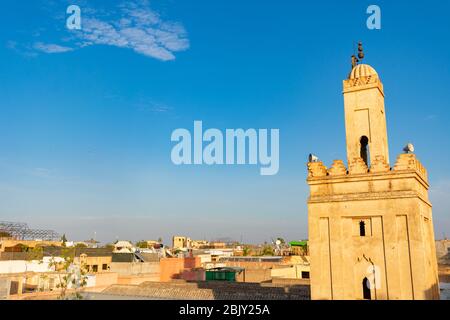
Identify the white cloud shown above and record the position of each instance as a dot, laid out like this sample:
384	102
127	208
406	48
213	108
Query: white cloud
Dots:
154	107
51	48
134	26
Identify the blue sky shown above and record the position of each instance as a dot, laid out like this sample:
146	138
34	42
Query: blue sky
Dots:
87	115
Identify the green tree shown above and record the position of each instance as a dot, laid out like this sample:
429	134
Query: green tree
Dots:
64	240
23	247
142	244
267	250
35	253
109	246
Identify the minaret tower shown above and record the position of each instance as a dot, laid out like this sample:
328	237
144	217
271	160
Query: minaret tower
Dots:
365	119
370	225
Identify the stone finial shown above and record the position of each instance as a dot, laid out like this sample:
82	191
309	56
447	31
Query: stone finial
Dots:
316	169
379	165
408	161
357	166
360	51
337	168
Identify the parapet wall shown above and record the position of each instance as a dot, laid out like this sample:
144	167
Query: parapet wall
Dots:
407	179
135	268
405	162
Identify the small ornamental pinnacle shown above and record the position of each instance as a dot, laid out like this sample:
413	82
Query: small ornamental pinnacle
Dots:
355	60
360	51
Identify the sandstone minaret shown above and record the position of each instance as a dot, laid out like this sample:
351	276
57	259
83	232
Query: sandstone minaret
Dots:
370	225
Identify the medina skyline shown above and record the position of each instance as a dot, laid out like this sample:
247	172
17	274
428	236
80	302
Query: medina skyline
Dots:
87	115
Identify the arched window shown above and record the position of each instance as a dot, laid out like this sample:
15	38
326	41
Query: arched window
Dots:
366	289
362	228
364	141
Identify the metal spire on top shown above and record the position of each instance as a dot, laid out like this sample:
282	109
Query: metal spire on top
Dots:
356	60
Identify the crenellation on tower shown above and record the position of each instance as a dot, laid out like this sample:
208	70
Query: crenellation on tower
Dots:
409	161
337	169
405	162
379	165
358	166
316	169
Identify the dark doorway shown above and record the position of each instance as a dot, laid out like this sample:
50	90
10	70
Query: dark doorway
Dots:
14	287
362	228
364	141
366	289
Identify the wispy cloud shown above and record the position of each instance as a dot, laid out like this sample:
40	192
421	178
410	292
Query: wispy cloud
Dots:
51	48
153	107
161	109
133	26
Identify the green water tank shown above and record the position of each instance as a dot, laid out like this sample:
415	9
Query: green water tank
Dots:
221	275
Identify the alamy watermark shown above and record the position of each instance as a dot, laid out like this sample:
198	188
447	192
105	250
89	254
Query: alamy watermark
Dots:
236	146
374	20
73	22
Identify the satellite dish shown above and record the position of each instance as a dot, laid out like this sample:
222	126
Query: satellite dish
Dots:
409	148
313	158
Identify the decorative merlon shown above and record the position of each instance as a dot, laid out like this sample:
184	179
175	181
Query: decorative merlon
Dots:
316	169
337	169
408	161
357	166
379	165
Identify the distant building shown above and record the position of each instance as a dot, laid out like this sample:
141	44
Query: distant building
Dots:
123	247
93	259
179	242
91	243
443	251
13	245
154	244
299	248
218	245
200	244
